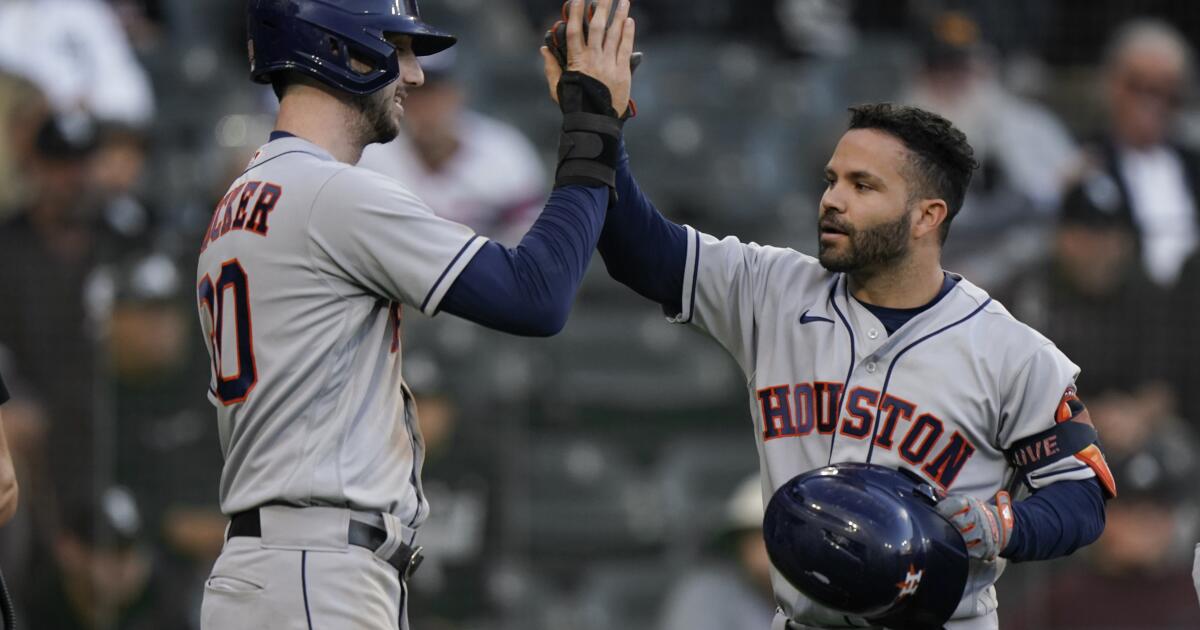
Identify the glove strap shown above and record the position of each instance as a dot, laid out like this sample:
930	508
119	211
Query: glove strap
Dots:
589	146
1007	518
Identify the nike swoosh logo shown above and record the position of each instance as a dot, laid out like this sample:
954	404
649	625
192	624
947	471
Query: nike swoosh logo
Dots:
808	319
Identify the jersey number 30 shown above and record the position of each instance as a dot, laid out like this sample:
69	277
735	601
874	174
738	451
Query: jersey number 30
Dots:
234	388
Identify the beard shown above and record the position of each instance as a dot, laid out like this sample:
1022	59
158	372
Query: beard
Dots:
378	122
871	248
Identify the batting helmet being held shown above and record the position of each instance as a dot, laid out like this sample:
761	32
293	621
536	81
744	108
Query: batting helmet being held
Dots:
867	540
319	37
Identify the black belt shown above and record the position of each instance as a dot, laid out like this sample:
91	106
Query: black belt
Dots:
405	559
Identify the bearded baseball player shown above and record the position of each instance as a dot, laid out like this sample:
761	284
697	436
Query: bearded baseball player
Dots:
873	353
303	278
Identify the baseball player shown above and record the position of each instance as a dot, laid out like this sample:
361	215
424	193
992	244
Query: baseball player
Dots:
871	352
303	278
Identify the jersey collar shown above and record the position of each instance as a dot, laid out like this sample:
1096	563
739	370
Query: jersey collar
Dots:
282	142
870	336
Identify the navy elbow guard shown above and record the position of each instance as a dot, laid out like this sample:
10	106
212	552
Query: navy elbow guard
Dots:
591	133
1068	450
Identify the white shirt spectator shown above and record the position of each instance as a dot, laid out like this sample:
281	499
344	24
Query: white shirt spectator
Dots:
77	53
495	182
1163	208
1030	145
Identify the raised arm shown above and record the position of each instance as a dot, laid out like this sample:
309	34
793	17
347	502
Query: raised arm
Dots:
529	290
641	248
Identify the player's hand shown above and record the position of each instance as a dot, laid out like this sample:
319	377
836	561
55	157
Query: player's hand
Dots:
601	53
985	527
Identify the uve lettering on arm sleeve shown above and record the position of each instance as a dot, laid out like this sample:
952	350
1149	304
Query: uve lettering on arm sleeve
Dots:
1048	439
1070	480
1070	449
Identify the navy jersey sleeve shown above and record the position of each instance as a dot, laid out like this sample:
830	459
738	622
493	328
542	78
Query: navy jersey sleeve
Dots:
1057	520
641	248
529	290
3	391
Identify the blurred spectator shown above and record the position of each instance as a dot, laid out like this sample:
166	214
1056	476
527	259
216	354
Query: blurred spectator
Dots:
164	422
1018	143
1137	573
1082	28
53	300
1152	182
116	173
1013	28
102	576
1185	305
468	167
142	21
22	108
789	27
1093	300
460	477
1024	152
733	591
50	324
809	27
77	53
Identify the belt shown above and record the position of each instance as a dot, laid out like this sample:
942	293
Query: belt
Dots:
406	559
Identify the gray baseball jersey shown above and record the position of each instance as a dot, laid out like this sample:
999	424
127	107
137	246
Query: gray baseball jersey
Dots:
944	396
303	276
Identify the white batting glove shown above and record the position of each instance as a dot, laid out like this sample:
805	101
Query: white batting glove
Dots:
985	527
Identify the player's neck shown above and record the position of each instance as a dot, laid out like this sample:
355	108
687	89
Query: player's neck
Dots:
911	284
326	122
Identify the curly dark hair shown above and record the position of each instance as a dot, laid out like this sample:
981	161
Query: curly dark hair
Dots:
941	159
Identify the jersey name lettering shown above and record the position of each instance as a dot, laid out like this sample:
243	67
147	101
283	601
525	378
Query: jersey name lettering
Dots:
800	410
245	207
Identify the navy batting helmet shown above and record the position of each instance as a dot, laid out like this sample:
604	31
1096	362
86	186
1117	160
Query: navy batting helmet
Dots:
867	540
319	38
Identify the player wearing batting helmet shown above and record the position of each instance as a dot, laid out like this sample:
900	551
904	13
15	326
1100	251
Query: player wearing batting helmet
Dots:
303	278
872	353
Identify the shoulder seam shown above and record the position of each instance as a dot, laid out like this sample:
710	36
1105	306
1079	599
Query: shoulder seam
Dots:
1021	367
309	234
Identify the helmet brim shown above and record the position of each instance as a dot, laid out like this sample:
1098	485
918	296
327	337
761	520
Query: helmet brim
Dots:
431	42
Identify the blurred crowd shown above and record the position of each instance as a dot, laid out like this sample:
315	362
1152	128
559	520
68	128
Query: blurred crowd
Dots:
603	478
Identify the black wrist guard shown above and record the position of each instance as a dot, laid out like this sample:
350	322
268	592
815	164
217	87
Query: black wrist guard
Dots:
591	133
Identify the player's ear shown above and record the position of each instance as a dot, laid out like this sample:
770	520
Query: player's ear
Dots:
929	215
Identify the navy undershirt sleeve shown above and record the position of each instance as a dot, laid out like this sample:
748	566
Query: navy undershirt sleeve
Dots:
529	290
1056	520
641	248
